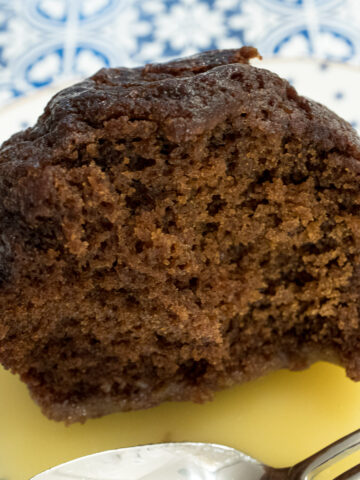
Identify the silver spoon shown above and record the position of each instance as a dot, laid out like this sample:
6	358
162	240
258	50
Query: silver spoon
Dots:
198	461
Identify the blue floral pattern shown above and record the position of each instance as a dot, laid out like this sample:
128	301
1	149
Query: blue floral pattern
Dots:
43	42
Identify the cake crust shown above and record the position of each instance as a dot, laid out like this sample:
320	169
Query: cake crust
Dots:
174	229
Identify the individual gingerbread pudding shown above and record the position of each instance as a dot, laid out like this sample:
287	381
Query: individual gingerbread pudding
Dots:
171	230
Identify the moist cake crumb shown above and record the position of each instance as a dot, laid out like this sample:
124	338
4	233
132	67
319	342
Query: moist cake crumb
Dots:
172	230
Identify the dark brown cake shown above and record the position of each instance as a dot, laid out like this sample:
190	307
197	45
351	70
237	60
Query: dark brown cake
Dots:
171	230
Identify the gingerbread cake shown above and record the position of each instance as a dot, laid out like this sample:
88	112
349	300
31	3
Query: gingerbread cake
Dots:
171	230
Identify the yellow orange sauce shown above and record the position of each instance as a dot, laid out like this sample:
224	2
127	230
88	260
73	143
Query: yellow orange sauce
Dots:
279	419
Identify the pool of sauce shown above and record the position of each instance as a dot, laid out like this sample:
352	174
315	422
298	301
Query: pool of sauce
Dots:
279	419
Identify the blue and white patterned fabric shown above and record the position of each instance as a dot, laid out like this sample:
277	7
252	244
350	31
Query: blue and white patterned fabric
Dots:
47	41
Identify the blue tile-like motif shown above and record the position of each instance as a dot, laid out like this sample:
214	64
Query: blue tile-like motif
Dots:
46	41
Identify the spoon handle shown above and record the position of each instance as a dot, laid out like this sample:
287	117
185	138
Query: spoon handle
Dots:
313	465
